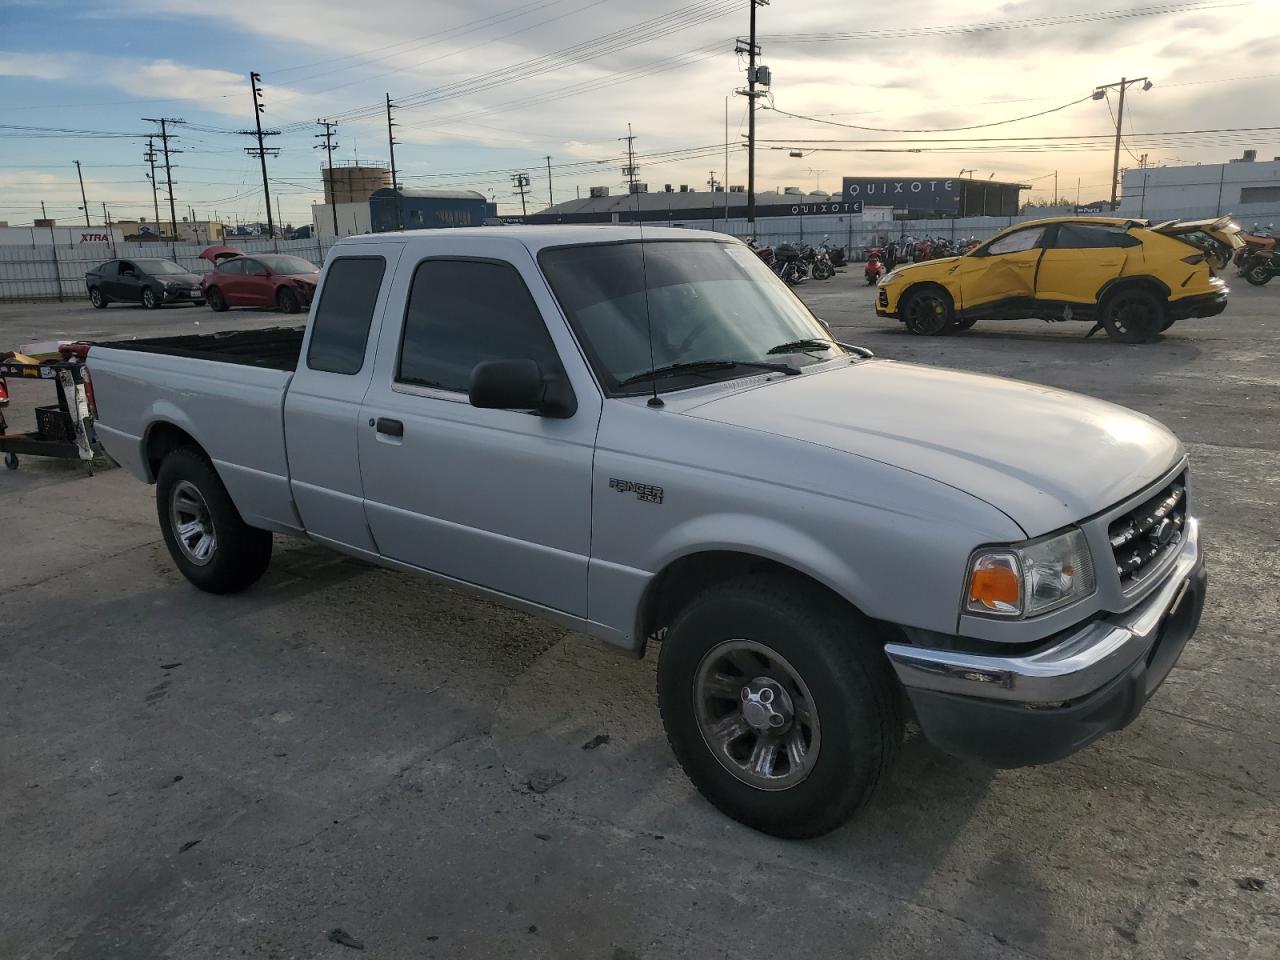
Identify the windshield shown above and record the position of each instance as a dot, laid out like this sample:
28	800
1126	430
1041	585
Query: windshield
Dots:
289	266
156	268
707	301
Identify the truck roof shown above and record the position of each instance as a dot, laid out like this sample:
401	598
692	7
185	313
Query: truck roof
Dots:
538	237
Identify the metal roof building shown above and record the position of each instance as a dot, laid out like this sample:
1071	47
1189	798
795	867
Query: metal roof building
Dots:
678	205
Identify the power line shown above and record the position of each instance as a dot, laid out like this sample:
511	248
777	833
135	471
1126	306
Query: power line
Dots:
895	33
975	126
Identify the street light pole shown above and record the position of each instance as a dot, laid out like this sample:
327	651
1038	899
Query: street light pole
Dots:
1100	93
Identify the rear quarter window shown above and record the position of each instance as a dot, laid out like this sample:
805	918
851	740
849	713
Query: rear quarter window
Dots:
340	326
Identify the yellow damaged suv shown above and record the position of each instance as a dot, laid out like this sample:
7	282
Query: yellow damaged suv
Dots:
1132	278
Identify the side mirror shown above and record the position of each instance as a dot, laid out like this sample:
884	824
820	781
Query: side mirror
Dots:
520	385
824	323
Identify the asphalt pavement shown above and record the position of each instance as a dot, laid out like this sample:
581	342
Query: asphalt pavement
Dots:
344	748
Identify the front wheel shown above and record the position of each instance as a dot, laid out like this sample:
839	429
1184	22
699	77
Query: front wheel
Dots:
928	312
779	705
210	543
149	299
1133	316
287	300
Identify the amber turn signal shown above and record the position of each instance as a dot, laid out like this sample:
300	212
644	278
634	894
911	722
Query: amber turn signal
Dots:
995	584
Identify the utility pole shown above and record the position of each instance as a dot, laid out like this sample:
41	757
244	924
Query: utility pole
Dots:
391	146
755	75
327	147
1055	188
1100	93
521	181
260	151
83	201
150	158
279	216
550	198
165	137
629	171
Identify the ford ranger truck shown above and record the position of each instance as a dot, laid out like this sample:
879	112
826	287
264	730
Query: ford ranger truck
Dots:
642	434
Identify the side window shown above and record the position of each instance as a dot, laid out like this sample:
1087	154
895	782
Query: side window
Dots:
340	327
1082	236
109	269
1014	242
231	266
462	312
250	267
128	269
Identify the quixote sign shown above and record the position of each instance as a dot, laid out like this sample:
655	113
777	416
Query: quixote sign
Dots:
799	209
912	193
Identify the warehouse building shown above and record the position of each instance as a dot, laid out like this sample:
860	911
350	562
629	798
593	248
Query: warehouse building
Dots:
391	209
1246	188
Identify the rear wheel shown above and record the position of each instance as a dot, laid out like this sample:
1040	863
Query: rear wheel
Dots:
287	300
210	543
927	312
1133	315
149	298
779	705
97	299
217	302
1258	274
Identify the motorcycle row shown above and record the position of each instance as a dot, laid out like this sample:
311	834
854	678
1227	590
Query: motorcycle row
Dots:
882	257
1257	261
796	263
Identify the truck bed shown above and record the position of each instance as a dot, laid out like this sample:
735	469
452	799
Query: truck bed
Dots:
274	348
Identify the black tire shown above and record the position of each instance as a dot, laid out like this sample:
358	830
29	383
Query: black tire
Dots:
1169	322
238	555
287	300
217	302
1133	315
97	298
150	299
823	271
927	312
961	324
1258	274
854	697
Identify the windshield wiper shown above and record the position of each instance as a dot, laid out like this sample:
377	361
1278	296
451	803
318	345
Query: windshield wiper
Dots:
801	346
706	366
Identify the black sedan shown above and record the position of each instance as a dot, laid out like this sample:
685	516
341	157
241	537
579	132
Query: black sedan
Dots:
149	282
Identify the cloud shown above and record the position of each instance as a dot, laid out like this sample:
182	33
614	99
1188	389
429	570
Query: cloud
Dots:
37	66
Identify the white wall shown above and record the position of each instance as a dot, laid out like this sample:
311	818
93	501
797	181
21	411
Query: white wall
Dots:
63	236
1204	190
353	219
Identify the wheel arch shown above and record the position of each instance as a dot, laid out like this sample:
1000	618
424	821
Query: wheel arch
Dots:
688	575
1142	281
161	438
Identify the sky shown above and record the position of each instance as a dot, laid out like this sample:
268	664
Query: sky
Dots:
487	89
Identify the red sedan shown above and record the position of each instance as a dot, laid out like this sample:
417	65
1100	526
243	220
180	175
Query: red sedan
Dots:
262	280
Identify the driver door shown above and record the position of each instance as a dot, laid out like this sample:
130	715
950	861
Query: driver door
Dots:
496	498
128	285
1001	277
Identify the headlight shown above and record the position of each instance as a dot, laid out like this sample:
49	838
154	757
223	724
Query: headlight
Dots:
887	277
1025	581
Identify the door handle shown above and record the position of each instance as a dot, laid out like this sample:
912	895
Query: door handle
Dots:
392	428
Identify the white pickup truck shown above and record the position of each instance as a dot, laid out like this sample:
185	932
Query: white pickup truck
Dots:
647	436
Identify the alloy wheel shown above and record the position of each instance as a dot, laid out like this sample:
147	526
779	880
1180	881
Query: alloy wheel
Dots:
192	524
756	715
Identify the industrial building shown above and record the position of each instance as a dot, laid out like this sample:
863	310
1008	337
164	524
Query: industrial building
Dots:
352	182
1246	188
403	209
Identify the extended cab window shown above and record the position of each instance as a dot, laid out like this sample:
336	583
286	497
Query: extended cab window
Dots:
1082	236
1017	241
463	312
340	328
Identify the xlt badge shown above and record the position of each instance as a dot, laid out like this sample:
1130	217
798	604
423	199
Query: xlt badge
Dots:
646	492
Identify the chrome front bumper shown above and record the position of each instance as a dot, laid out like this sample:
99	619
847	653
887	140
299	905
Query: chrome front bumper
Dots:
1074	667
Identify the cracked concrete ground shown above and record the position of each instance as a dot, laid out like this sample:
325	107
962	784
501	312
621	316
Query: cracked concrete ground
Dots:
190	776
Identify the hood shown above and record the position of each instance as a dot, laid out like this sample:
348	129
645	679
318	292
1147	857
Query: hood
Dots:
1045	457
190	278
902	268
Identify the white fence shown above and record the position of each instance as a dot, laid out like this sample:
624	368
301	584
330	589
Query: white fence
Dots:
52	272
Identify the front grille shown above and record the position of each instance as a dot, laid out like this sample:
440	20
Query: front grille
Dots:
883	298
1144	535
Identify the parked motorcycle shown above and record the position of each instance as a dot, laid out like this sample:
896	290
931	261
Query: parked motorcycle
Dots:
820	265
835	254
1258	268
874	269
789	264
